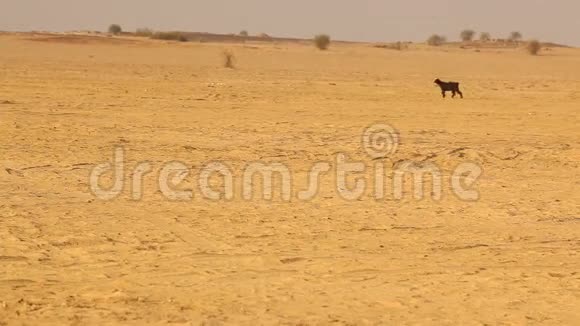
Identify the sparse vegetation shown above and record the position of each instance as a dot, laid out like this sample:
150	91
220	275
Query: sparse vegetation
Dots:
115	29
399	46
467	35
229	59
515	37
485	37
534	47
322	41
244	33
170	36
436	40
144	32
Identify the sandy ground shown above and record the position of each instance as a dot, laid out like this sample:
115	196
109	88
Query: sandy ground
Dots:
68	258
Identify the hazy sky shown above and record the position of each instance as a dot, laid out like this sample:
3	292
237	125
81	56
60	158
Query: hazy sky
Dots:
365	20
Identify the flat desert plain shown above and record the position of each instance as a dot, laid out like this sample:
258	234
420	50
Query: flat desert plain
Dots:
511	257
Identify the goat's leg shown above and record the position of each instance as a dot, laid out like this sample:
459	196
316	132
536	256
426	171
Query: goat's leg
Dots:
460	94
443	92
453	94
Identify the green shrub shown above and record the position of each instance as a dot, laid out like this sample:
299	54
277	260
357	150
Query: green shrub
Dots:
515	37
115	29
322	41
467	35
436	40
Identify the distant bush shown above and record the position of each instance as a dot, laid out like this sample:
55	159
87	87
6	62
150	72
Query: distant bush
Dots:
515	36
169	36
436	40
399	46
229	59
485	37
534	47
144	32
115	29
244	33
322	41
467	35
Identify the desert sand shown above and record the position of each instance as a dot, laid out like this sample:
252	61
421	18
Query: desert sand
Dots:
68	258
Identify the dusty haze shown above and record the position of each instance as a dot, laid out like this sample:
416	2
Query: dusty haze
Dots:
367	20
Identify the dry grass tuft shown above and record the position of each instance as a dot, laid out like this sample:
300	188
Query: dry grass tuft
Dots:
229	59
534	47
484	37
399	46
144	32
170	36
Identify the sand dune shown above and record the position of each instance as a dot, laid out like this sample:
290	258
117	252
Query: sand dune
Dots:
69	258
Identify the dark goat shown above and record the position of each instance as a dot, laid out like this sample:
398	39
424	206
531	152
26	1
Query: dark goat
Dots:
448	87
